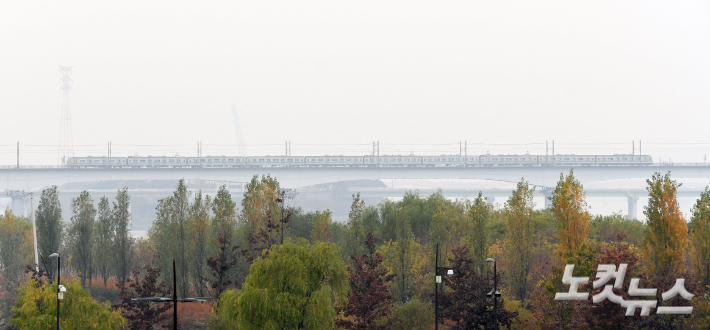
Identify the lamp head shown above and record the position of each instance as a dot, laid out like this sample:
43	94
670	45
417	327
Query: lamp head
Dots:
60	294
54	255
490	260
450	272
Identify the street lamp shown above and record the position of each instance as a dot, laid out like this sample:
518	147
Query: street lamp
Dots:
438	272
60	288
496	295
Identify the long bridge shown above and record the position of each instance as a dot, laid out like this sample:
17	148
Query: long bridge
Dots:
19	182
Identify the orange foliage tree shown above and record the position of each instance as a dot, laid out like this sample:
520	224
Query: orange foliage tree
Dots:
321	226
700	236
569	209
667	232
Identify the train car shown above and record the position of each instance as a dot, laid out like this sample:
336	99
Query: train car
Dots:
491	160
472	160
155	161
96	162
334	160
624	160
516	160
584	160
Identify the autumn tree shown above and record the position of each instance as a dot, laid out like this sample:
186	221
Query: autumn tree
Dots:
569	209
321	226
123	240
666	231
36	308
369	305
518	243
15	248
700	236
49	227
104	237
145	315
293	286
81	235
478	215
464	302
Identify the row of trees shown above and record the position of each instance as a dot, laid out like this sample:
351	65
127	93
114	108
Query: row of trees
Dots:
276	266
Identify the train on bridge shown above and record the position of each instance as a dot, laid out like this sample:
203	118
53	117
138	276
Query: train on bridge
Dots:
357	161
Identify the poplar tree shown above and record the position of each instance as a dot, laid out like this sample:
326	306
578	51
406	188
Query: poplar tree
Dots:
479	214
700	235
198	234
518	243
104	235
121	219
49	228
569	209
81	232
666	232
179	214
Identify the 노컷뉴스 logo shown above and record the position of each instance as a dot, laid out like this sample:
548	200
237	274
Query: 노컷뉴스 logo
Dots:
605	273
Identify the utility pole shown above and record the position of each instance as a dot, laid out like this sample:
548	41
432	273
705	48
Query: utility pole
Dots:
286	149
640	148
66	142
460	148
633	149
378	152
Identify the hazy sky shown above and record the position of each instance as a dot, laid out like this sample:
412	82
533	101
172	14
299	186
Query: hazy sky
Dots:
352	72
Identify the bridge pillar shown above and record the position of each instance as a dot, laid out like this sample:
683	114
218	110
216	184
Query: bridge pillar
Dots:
633	204
18	202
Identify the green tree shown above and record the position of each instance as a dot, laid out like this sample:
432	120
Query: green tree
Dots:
291	286
412	315
49	227
569	210
667	232
81	232
321	226
198	233
36	308
123	242
15	248
478	215
700	236
518	243
104	237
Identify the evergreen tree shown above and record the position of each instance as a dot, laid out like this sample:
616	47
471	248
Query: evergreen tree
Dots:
50	229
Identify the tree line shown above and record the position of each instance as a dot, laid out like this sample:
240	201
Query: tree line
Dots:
272	265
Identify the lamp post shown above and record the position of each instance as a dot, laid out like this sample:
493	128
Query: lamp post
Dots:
495	294
438	271
60	293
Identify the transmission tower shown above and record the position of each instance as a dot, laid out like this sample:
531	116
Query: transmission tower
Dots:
66	142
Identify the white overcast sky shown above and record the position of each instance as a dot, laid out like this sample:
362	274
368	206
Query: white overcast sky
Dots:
351	72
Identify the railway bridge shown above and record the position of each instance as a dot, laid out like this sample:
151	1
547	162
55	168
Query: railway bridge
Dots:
19	182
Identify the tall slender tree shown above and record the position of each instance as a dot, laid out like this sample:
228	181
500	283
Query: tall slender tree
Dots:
198	233
667	232
518	243
104	236
569	209
700	236
15	248
50	229
81	235
121	218
479	214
